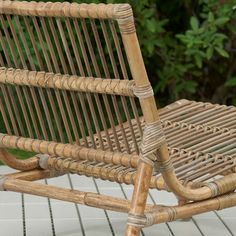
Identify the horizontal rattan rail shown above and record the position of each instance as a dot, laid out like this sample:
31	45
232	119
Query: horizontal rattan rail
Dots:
66	82
58	9
76	152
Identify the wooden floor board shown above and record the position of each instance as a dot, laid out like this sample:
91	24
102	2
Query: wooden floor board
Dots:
49	217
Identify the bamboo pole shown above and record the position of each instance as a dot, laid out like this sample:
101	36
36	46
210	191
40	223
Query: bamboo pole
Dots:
75	196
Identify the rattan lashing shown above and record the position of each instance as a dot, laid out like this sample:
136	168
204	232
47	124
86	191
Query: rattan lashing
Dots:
85	105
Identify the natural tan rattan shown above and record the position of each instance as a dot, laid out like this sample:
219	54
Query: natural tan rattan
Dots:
74	90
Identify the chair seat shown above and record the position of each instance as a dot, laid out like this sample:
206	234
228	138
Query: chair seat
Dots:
201	139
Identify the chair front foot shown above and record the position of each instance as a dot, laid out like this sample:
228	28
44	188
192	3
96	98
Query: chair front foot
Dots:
132	230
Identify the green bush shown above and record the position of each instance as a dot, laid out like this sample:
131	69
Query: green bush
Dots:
189	47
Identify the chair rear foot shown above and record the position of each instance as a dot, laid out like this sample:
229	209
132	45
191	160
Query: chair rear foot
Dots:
132	231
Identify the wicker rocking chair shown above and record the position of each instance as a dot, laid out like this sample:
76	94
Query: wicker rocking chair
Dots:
65	95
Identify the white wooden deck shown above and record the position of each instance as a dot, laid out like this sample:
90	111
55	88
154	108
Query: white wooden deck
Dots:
22	214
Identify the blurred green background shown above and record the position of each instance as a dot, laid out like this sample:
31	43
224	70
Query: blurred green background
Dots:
189	48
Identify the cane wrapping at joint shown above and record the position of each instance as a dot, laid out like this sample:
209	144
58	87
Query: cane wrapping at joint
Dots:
153	139
143	91
137	220
213	187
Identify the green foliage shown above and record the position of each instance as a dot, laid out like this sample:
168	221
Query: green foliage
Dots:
189	47
192	51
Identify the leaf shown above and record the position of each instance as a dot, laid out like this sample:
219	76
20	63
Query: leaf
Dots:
222	52
194	23
221	21
182	38
209	53
190	86
231	82
211	17
150	48
151	25
198	61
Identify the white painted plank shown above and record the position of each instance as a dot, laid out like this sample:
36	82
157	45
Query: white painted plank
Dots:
66	220
210	224
229	217
11	227
184	228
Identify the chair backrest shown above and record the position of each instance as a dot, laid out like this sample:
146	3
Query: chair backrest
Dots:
67	73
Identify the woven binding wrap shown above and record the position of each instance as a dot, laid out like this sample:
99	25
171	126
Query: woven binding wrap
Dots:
137	220
153	139
213	187
43	161
143	91
124	15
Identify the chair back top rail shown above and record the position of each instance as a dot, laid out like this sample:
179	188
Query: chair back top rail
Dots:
66	9
121	12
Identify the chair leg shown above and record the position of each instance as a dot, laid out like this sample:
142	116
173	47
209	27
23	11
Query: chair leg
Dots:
139	197
132	231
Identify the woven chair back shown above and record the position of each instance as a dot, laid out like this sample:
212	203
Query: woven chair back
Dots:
65	76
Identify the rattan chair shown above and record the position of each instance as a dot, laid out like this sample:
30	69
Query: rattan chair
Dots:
74	90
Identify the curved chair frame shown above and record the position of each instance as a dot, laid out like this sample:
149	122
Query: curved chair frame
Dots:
154	151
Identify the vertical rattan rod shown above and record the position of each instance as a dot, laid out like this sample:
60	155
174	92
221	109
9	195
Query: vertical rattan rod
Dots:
6	121
61	58
28	53
32	66
9	108
115	103
74	98
57	69
9	89
73	94
9	41
6	54
81	71
73	71
88	69
23	63
50	68
116	75
98	74
105	98
81	97
124	71
1	61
